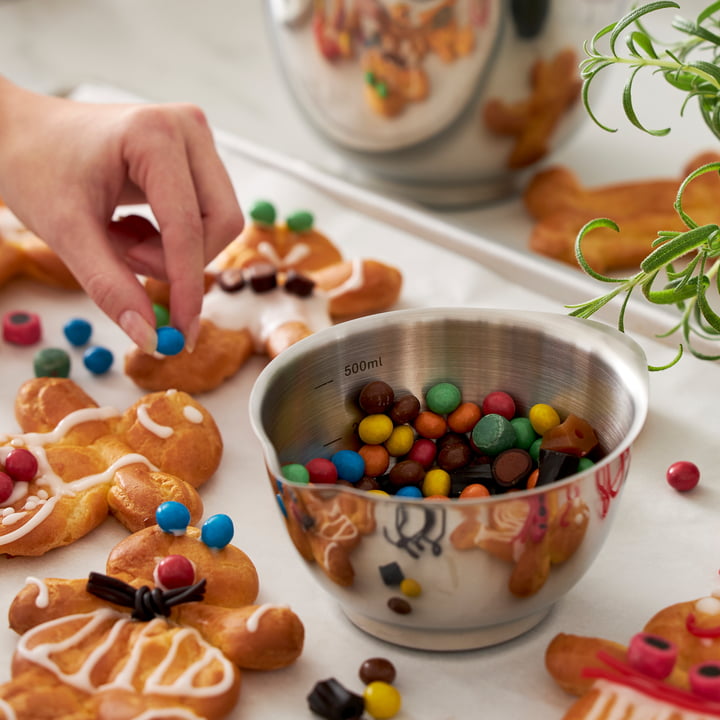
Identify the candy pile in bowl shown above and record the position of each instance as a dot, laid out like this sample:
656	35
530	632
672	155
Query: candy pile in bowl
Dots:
448	447
448	474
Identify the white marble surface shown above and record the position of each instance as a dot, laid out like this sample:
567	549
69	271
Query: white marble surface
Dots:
217	55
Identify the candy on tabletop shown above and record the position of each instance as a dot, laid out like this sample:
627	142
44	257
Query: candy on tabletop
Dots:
52	362
21	327
77	331
683	475
98	360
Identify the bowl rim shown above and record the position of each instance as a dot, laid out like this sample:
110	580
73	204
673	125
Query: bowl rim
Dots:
589	334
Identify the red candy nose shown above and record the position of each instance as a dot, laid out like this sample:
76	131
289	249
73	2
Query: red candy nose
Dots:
652	655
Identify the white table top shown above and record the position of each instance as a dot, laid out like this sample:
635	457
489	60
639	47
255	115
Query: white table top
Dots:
663	547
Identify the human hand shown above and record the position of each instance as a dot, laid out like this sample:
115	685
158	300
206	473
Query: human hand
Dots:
66	167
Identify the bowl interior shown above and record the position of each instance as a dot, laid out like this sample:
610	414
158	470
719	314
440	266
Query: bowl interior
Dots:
304	404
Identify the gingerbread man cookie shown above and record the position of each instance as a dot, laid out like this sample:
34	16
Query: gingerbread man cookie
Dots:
24	254
532	534
560	206
531	121
273	286
669	670
163	634
74	462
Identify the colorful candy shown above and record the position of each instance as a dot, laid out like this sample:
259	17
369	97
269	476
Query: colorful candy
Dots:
217	531
21	328
382	700
454	448
172	517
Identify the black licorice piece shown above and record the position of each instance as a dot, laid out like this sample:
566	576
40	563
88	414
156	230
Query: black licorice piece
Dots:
470	474
554	465
391	574
331	700
262	277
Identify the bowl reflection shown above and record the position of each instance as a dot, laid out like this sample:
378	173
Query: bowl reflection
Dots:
476	571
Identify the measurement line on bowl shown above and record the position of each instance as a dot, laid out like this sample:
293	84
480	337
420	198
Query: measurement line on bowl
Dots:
323	384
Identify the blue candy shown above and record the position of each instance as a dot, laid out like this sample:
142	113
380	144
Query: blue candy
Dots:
172	517
350	465
98	359
77	331
217	531
170	341
409	491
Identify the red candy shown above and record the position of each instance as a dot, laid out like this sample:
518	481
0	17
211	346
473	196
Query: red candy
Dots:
423	451
322	470
683	475
499	403
21	465
6	486
652	655
175	571
21	328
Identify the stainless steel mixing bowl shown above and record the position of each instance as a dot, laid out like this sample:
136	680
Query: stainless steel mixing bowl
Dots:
448	102
489	568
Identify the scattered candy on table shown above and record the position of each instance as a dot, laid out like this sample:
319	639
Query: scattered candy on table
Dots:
51	362
77	331
451	447
380	698
21	327
98	360
683	475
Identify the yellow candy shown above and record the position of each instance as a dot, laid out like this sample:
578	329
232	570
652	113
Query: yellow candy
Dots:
410	587
375	429
436	482
543	417
400	441
382	700
379	492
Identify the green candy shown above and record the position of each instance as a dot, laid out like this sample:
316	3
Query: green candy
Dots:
493	434
524	431
300	221
296	473
534	449
51	362
162	315
443	398
263	213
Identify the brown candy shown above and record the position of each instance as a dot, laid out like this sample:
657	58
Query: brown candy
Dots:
377	668
376	397
511	467
454	455
407	472
399	605
262	277
405	409
300	285
231	280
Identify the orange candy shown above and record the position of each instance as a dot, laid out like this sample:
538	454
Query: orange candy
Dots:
475	490
464	418
532	479
430	425
376	459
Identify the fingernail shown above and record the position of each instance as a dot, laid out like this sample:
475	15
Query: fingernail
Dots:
139	330
192	334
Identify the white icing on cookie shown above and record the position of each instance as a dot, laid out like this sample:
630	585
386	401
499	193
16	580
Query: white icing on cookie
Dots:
162	431
192	414
253	622
72	632
43	597
40	505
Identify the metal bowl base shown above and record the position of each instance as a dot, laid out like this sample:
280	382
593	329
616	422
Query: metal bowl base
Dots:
446	640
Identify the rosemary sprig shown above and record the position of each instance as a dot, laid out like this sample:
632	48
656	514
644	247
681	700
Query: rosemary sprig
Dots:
682	266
